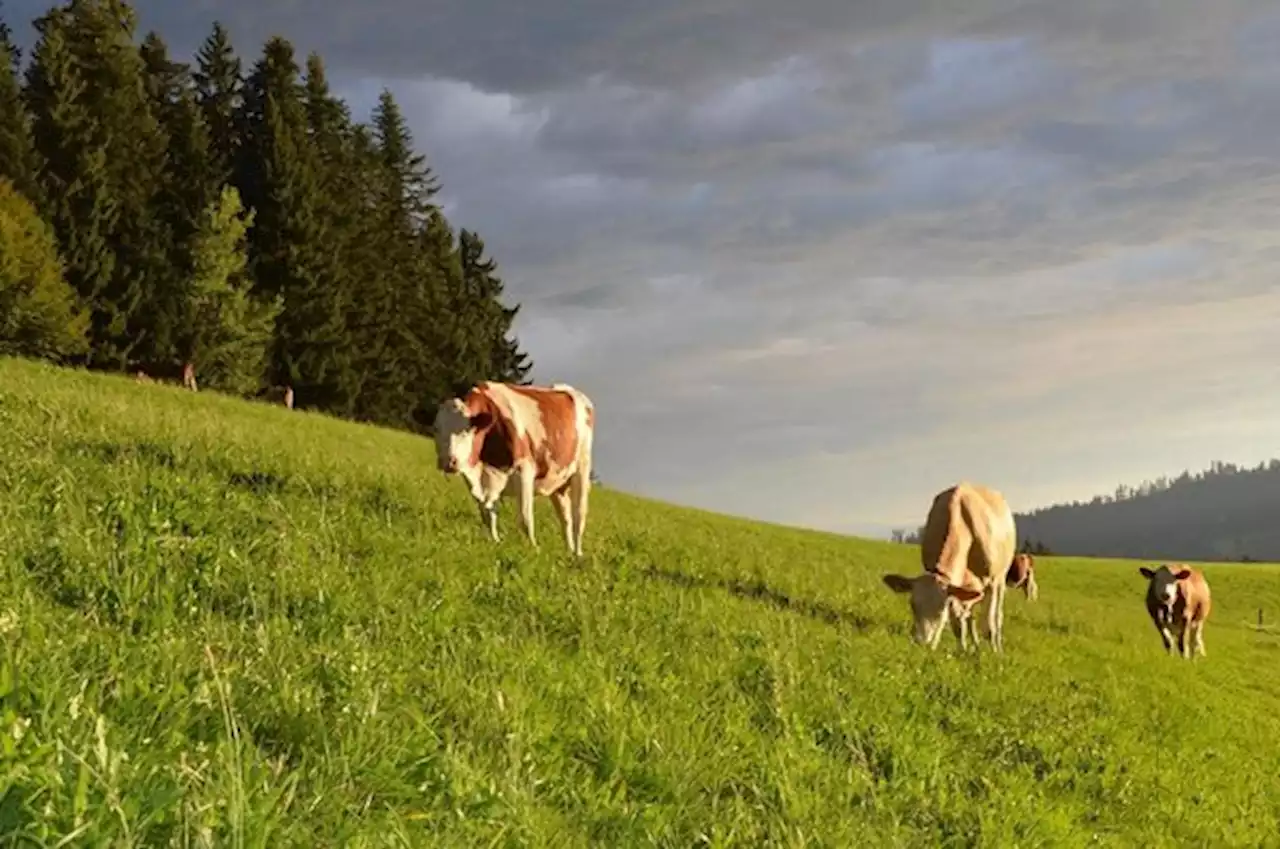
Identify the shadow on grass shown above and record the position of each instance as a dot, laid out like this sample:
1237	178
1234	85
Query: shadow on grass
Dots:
758	590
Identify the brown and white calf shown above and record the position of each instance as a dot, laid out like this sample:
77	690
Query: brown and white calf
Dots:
967	549
1179	599
189	377
1022	573
506	439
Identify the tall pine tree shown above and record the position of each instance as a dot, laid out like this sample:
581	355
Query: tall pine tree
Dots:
219	91
187	185
79	201
103	150
488	320
292	251
18	160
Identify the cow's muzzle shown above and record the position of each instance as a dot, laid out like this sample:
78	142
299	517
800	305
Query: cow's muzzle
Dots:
449	466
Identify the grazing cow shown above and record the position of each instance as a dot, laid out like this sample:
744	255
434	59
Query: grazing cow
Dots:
1022	574
279	395
189	376
534	440
967	549
1178	598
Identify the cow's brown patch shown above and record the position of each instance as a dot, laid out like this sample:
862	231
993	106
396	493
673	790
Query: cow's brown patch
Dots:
1019	570
559	446
494	443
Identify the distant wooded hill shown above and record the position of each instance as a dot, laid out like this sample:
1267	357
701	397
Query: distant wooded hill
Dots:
1226	512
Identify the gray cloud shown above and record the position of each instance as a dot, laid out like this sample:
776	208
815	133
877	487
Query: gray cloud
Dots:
817	262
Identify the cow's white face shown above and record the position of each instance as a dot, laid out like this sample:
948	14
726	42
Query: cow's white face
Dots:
1164	583
931	600
455	436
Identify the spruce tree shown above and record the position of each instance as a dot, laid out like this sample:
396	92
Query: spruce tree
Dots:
18	160
292	252
78	200
103	152
187	186
227	331
498	354
219	87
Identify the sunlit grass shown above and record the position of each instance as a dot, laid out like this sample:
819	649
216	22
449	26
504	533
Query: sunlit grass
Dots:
229	624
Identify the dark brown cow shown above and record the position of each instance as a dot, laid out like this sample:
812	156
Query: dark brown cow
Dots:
1178	598
504	437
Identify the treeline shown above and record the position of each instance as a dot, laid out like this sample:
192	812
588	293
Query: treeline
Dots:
155	212
1226	512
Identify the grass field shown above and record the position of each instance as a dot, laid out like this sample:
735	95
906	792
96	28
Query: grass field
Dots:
228	624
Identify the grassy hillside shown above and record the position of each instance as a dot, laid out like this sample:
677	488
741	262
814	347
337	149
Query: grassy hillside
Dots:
229	624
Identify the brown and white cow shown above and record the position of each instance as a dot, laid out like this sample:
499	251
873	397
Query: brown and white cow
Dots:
967	549
1022	573
1178	598
510	439
189	376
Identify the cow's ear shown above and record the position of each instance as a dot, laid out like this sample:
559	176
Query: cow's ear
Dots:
1182	574
963	593
1146	573
480	421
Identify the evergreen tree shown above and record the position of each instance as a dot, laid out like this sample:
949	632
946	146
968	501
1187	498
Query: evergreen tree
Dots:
103	149
18	160
489	321
187	185
219	91
40	315
75	186
227	330
292	252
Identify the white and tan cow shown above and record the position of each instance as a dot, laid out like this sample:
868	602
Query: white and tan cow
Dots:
1178	598
508	439
967	549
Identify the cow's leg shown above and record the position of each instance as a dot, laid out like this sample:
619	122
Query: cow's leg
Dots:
1200	637
562	499
960	627
526	503
1165	636
995	613
973	632
1184	637
489	517
580	490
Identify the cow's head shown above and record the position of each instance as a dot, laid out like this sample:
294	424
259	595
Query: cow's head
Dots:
457	428
1163	585
931	598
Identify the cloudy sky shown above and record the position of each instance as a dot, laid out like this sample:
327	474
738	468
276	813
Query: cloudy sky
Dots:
816	262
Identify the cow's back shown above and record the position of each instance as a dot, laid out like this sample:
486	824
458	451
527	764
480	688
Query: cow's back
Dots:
969	526
1196	598
544	425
